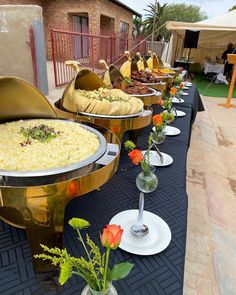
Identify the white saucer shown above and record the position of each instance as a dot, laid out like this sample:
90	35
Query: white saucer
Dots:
179	113
186	87
183	93
86	291
170	130
176	100
155	159
188	84
154	242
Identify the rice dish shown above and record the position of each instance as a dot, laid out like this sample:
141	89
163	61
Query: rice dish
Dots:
65	143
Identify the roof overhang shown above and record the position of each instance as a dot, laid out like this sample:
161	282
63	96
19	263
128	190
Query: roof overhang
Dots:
117	2
180	27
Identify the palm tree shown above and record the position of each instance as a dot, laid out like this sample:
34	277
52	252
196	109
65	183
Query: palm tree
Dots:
138	27
155	18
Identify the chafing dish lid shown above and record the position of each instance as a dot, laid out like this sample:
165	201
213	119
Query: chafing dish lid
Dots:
20	100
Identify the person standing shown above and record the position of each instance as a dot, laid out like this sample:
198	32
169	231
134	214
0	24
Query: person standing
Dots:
228	67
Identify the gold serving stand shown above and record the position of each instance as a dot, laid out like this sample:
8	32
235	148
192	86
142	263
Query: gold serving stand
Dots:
117	126
39	209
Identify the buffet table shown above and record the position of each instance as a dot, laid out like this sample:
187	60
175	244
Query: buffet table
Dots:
157	274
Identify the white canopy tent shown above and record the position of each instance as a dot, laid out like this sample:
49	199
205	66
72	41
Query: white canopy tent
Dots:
215	34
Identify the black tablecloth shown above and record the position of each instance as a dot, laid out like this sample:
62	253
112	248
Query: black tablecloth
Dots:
157	274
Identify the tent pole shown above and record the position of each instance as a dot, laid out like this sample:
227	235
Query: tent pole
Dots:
177	43
232	60
187	68
167	52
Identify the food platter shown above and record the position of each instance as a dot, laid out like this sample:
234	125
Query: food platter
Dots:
80	164
152	92
154	84
112	117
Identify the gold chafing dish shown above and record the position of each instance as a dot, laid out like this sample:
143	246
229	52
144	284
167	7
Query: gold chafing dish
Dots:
37	204
112	73
86	79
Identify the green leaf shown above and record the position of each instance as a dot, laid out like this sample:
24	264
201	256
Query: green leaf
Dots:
121	270
65	272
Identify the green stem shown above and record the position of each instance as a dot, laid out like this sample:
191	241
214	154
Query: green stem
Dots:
89	257
82	241
106	267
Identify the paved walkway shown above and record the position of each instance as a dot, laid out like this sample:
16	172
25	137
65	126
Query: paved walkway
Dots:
210	265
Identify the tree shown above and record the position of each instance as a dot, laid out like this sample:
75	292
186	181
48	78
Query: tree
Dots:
185	13
137	26
149	23
232	8
174	12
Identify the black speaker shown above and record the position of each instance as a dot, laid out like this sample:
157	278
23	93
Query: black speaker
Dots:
191	39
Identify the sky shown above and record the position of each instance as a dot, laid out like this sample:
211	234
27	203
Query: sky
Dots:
211	7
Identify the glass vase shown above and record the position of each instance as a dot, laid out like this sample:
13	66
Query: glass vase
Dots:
109	291
147	182
158	137
170	115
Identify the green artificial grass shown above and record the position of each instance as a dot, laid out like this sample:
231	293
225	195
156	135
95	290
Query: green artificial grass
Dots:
214	90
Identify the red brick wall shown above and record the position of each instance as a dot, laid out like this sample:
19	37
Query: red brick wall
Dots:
57	14
23	2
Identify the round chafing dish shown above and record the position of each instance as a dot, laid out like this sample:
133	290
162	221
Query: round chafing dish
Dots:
117	125
159	86
168	79
150	98
37	200
153	97
42	177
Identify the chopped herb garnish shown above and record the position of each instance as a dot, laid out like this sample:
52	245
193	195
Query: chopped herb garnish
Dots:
40	132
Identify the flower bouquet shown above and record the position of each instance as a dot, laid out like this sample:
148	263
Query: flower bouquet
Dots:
158	136
95	268
170	111
146	181
178	80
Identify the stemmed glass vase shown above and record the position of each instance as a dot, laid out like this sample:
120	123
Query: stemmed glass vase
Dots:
146	182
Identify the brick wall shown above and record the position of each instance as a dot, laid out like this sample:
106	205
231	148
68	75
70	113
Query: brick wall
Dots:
57	14
23	2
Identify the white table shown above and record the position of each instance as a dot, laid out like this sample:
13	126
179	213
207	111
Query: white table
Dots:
213	68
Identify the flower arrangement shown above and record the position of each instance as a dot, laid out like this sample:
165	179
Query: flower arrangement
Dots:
181	85
173	91
178	80
158	136
95	269
136	156
158	122
146	181
167	117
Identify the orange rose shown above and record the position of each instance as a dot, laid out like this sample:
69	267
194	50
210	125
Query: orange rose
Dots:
157	120
173	90
72	189
111	236
136	156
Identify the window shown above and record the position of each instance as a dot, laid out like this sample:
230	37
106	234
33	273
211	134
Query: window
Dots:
80	25
124	32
